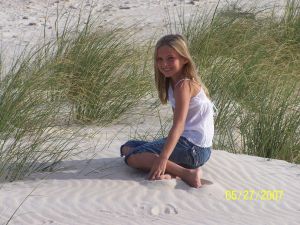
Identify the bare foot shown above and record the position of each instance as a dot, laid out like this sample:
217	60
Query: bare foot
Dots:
193	177
166	177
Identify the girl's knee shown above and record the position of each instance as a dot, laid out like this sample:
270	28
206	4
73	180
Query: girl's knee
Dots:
132	160
125	150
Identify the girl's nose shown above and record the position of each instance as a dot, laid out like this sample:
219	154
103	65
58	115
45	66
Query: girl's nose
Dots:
165	63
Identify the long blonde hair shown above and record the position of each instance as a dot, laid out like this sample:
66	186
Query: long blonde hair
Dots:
179	44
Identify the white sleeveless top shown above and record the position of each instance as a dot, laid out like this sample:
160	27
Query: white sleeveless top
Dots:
199	124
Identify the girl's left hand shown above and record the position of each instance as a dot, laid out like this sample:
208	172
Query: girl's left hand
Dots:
158	168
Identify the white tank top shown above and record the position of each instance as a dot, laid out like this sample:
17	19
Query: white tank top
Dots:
199	124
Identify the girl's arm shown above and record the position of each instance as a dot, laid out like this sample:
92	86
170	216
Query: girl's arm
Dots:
182	95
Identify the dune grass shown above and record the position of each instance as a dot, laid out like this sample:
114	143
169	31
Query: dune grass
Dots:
101	71
102	75
1	65
250	61
86	74
28	143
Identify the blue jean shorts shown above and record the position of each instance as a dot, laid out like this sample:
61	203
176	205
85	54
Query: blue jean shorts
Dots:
185	153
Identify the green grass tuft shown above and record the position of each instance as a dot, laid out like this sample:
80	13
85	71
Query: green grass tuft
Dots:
250	61
86	73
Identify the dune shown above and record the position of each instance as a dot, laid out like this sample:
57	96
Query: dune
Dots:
106	191
98	188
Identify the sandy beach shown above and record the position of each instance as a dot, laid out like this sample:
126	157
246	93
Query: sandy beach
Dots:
97	187
28	22
106	191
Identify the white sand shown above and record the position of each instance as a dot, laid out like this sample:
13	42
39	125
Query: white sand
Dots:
106	191
26	22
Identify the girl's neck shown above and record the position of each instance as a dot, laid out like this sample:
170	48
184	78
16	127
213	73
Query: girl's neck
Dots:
174	80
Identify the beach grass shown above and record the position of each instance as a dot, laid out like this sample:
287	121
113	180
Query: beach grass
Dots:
1	65
28	140
250	62
84	75
101	72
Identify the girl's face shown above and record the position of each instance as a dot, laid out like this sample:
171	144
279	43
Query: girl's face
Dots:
169	62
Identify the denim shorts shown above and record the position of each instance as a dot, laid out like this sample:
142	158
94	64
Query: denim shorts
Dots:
185	153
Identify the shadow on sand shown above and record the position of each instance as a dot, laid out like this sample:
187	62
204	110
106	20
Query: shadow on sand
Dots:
102	169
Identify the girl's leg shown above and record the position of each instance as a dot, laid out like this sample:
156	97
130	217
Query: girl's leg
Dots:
125	150
145	146
128	147
145	161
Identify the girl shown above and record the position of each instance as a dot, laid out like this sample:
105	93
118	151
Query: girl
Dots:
188	145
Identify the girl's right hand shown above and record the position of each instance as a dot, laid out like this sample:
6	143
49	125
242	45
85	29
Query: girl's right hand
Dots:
158	168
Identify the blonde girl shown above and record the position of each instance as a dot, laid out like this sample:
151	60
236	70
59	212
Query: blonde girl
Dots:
188	144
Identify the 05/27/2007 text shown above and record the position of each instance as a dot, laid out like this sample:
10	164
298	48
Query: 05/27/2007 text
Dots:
249	195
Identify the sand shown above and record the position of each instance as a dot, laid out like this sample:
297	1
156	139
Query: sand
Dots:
23	23
97	187
106	191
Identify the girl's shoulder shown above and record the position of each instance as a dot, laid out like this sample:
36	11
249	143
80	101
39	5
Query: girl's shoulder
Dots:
194	85
182	82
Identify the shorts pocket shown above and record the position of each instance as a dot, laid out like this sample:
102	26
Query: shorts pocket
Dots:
200	156
195	157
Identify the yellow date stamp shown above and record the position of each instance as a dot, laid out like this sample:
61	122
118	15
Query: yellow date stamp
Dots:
249	195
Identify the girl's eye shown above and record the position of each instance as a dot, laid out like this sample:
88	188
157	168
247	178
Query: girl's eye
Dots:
171	58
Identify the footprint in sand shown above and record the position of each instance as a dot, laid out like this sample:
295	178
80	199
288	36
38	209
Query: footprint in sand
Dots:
155	210
169	209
